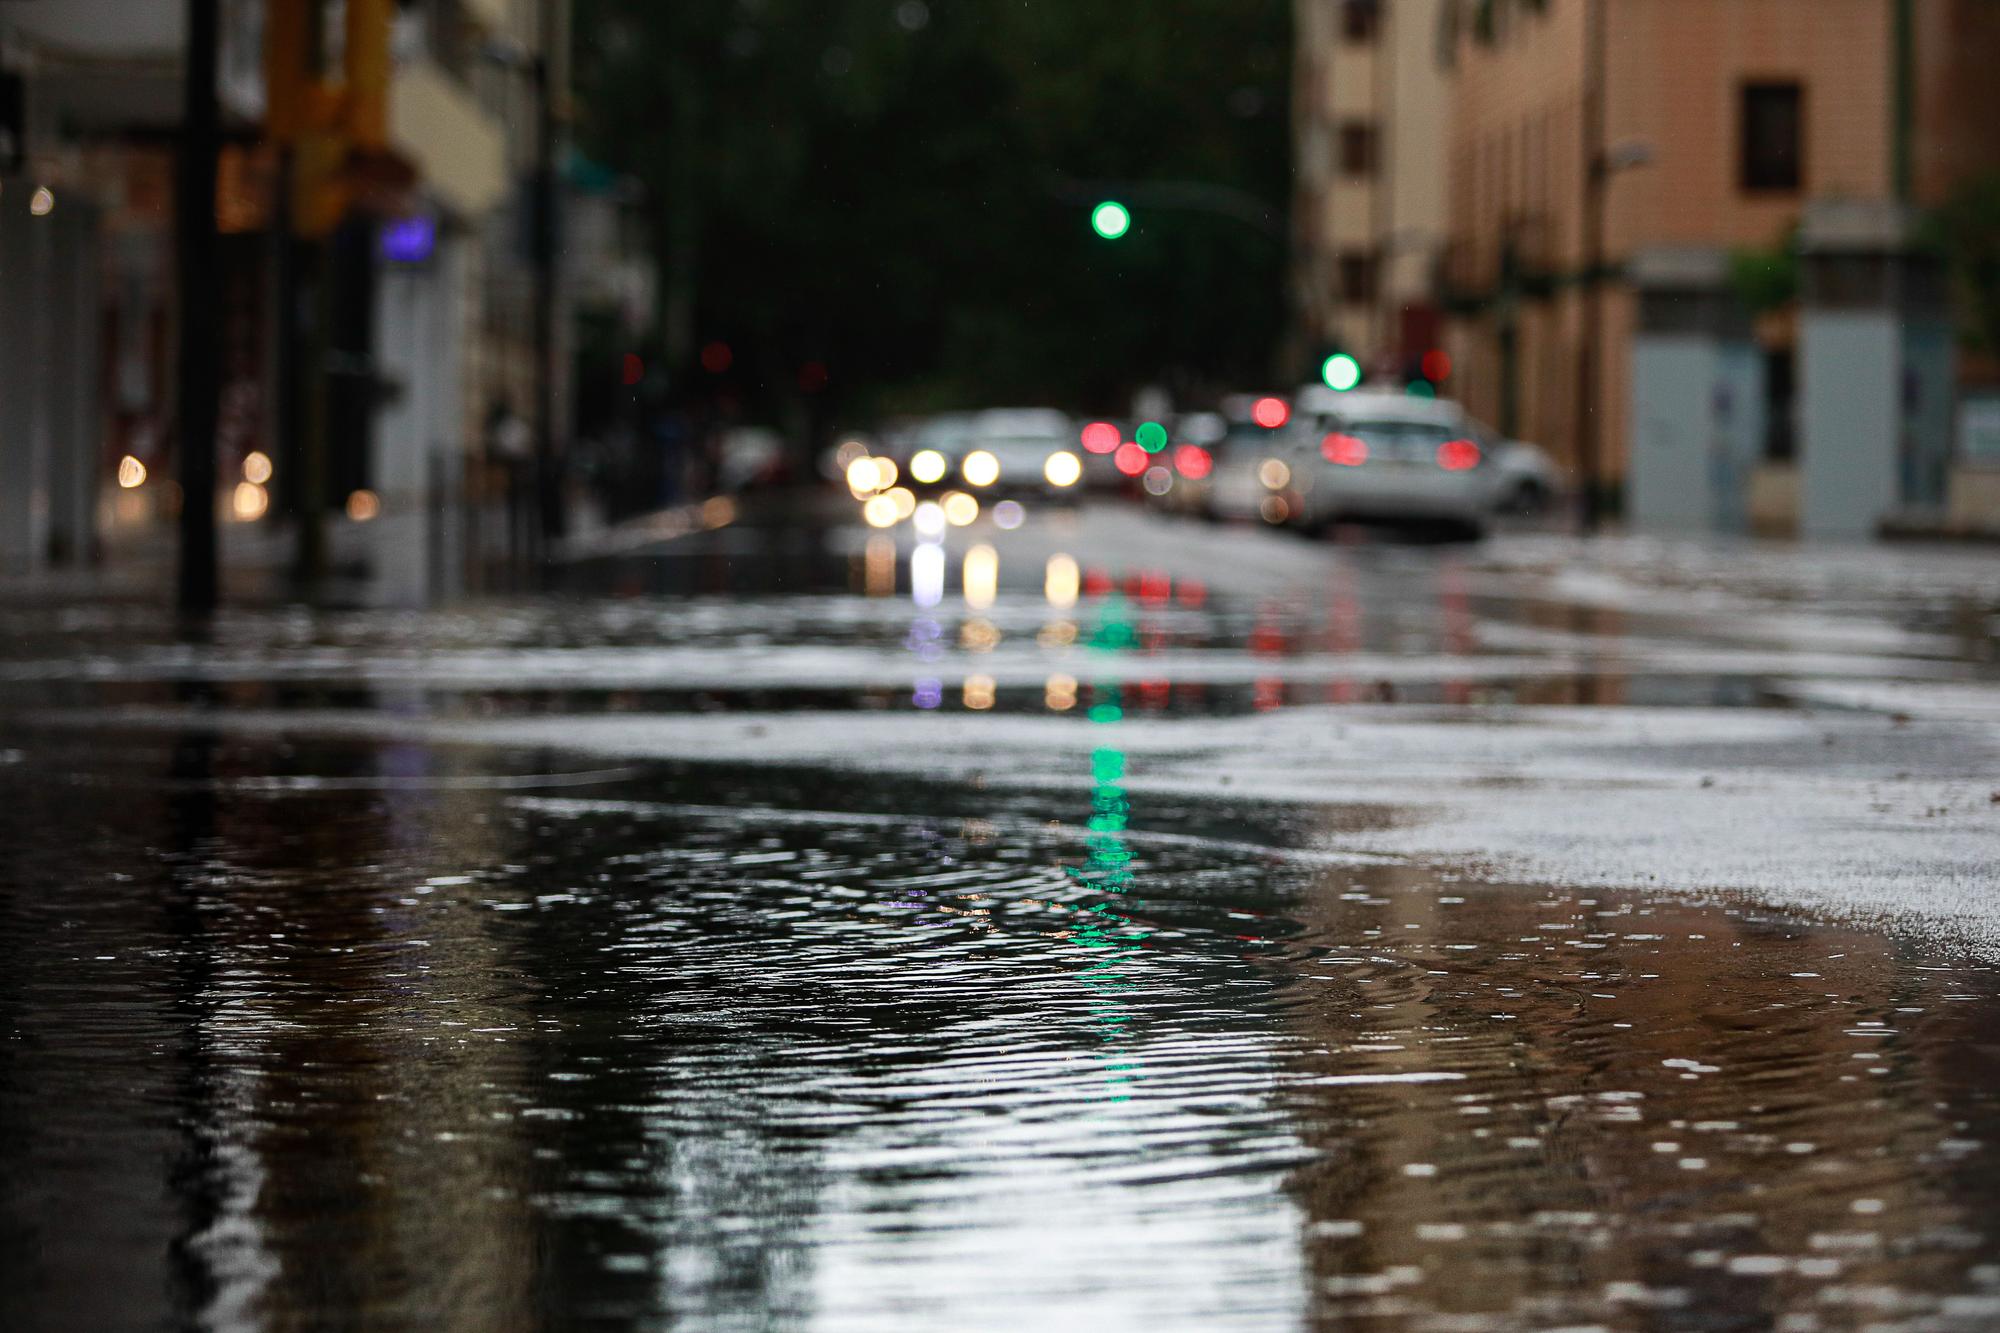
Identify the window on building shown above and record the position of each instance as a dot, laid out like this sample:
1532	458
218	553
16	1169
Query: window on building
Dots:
1359	19
1773	132
1358	147
1357	277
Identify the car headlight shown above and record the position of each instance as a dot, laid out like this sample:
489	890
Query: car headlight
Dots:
1274	474
980	468
1063	469
928	465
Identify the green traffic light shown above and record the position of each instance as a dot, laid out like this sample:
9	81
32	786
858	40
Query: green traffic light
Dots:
1152	437
1341	372
1111	219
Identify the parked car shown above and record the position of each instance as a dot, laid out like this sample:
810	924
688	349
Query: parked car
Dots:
1251	476
1525	479
1392	458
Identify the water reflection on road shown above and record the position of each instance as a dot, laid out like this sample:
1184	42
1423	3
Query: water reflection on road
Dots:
490	1037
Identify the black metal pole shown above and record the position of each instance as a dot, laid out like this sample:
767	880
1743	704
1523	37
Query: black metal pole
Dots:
548	200
199	387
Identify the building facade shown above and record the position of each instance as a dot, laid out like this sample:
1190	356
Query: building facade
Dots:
1372	104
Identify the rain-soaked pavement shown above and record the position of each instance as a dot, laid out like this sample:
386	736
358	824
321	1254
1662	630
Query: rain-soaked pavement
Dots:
1116	923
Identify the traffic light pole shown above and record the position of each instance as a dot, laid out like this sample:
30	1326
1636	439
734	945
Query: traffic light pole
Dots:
199	373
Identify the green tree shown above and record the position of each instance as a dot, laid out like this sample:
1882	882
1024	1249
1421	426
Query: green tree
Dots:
880	186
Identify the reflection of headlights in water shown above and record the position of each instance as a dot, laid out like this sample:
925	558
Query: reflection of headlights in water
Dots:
979	692
1274	474
1059	694
927	574
979	635
928	519
928	465
929	693
1008	515
1057	634
879	567
880	511
980	468
1157	481
905	501
1060	581
1063	469
960	509
982	576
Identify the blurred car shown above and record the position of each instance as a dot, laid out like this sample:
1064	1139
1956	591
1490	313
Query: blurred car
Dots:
749	457
1385	457
1251	474
929	452
1525	479
1018	452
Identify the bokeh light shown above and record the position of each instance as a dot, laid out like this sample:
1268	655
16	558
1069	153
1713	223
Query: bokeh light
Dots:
1111	219
1346	450
1458	455
1437	365
959	508
131	472
257	466
904	499
1151	436
363	505
928	519
980	468
1271	413
1341	372
981	576
1061	580
249	501
927	574
1059	693
1063	469
1193	461
978	693
1275	509
1009	515
716	358
880	512
1130	459
1275	473
927	466
1100	437
1158	480
862	476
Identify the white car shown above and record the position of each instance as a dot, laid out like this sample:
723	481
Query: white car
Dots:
1394	458
1020	451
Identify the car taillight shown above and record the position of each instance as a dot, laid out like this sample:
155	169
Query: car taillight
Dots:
1346	450
1458	455
1193	461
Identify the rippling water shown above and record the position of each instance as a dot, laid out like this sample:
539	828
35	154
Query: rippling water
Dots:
487	1040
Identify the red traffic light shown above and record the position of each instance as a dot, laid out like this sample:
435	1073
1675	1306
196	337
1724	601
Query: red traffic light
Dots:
1437	365
1271	413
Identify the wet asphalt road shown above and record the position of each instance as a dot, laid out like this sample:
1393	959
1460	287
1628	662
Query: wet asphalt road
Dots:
1118	922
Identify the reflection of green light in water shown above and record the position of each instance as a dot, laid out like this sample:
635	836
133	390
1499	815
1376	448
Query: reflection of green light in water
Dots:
1101	927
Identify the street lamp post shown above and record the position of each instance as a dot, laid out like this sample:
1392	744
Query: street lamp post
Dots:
1596	177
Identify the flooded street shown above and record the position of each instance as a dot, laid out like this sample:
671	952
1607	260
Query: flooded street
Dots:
1135	925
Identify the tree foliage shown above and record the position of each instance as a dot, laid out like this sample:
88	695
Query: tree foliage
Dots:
878	185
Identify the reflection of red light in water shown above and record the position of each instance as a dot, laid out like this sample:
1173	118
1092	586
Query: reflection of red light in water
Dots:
1154	587
1458	455
634	369
1271	413
1193	461
1193	592
1100	437
716	358
1437	365
1096	583
1153	694
1268	693
1131	458
1346	450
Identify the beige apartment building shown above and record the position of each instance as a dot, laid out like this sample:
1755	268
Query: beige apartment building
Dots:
1372	111
1720	120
